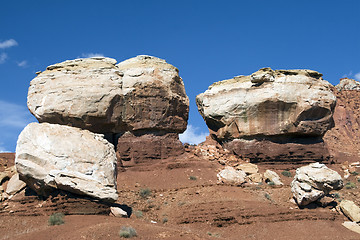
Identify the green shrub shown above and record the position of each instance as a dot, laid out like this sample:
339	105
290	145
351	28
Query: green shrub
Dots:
355	173
56	219
127	232
267	196
145	192
165	220
271	183
350	185
337	195
286	173
193	178
138	214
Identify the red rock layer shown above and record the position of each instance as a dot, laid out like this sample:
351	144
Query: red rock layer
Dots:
344	139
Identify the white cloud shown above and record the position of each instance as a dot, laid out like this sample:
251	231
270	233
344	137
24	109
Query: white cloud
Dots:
8	44
3	57
90	55
192	136
22	63
13	115
357	76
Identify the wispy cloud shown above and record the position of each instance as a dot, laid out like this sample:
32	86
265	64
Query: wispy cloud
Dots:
8	44
13	115
90	55
192	136
13	118
357	76
22	63
3	57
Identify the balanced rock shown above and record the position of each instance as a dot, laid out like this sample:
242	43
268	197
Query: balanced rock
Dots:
267	109
96	94
52	156
314	181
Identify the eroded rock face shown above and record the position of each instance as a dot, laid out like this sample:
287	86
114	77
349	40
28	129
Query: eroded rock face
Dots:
142	149
52	156
96	94
270	108
343	140
314	181
280	102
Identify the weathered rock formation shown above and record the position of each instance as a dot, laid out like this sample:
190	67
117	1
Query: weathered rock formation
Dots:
271	115
313	182
52	156
136	103
158	110
138	94
343	140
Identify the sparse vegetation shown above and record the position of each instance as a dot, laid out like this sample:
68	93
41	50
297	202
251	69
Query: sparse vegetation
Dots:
350	185
56	219
165	220
267	196
337	195
286	173
355	173
271	183
193	178
127	232
145	192
138	214
213	234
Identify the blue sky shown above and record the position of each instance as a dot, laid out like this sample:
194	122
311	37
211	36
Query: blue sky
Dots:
207	40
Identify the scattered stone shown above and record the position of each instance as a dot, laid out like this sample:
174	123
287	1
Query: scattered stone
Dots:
248	168
271	176
231	176
52	156
15	185
118	212
353	226
351	210
314	181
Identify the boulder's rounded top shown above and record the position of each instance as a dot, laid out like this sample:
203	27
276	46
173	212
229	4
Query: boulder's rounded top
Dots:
267	75
348	84
94	62
145	61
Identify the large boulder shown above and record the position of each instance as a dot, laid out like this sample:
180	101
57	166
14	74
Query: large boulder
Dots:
273	108
52	156
313	182
96	94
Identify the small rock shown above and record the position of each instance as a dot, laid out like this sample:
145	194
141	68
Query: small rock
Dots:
350	210
230	175
353	226
271	176
15	185
325	201
118	212
255	178
248	168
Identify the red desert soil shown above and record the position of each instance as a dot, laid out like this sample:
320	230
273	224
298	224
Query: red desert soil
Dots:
179	208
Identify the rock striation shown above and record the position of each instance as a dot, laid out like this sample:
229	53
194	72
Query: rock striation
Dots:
135	103
313	182
52	156
343	140
96	94
271	115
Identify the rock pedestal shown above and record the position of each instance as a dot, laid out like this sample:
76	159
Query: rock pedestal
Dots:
270	115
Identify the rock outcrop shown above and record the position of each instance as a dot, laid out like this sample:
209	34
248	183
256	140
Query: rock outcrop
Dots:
52	156
284	113
96	94
313	182
343	140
